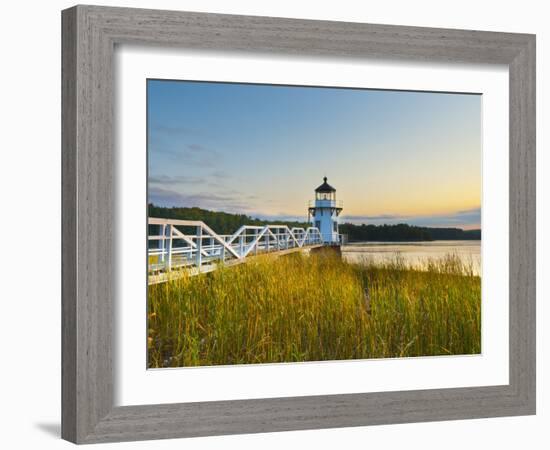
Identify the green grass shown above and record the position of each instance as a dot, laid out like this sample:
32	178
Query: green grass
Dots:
313	308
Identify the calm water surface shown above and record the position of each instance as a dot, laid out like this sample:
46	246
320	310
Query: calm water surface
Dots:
414	253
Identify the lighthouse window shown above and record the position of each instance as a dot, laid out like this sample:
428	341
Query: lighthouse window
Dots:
325	196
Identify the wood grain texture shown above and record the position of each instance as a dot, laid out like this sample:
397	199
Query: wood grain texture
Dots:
68	226
523	224
89	36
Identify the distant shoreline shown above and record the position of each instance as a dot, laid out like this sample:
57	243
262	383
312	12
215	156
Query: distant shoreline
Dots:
409	242
228	223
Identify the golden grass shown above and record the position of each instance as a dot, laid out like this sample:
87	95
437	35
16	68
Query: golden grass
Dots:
314	308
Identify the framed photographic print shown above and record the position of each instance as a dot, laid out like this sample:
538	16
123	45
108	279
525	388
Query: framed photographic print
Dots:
278	224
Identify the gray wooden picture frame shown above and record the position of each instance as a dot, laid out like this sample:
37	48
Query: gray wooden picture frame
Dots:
90	34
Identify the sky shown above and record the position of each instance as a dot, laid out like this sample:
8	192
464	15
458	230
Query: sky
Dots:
261	150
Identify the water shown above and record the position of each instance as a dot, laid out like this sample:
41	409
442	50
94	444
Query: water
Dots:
414	253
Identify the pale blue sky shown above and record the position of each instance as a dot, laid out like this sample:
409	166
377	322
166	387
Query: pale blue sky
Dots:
393	156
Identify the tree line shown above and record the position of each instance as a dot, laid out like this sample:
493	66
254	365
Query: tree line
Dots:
220	222
227	223
404	232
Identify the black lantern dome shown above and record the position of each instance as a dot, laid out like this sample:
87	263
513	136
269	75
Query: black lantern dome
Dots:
325	187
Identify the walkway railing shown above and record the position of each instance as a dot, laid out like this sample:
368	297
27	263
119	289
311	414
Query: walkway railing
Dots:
193	244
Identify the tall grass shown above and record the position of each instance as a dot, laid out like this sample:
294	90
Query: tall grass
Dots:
314	308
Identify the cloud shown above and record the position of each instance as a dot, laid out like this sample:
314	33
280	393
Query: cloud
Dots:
470	218
173	180
189	155
469	214
179	144
470	211
196	148
216	179
374	218
178	130
283	217
220	174
216	202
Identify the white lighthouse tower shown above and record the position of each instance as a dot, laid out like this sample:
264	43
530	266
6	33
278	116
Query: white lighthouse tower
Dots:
324	211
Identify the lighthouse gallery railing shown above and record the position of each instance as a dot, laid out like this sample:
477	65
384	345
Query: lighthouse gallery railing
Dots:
193	244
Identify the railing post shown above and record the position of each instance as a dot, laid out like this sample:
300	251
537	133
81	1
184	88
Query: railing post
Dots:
222	251
162	232
241	244
169	246
255	240
199	248
267	242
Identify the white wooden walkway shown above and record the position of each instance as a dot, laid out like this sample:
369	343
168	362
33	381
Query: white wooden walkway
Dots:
193	246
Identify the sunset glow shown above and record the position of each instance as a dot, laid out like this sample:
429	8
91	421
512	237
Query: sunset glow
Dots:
393	156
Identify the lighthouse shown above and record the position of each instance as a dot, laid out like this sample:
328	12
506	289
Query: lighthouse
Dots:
324	211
